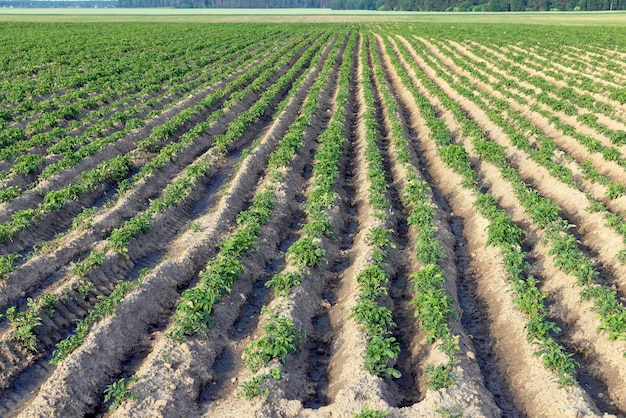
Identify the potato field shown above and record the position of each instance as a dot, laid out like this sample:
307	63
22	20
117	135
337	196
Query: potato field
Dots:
312	220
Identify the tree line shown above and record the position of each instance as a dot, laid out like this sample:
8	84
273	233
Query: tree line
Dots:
408	5
243	4
400	5
480	5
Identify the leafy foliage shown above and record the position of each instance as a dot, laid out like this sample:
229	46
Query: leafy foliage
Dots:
119	391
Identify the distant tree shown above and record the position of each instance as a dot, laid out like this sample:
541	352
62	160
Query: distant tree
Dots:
498	6
465	6
422	5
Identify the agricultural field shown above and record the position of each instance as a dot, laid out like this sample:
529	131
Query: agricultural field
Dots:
312	220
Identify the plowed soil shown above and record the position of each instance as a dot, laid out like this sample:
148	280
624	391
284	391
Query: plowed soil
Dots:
498	371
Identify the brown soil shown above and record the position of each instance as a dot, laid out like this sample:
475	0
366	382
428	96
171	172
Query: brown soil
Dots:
166	226
601	241
515	356
611	351
498	371
601	98
193	257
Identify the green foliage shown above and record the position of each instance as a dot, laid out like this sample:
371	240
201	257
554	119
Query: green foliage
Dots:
7	263
95	258
119	238
380	353
84	288
595	206
281	338
368	412
440	376
556	359
23	324
26	164
306	252
276	373
377	238
84	219
453	411
119	391
48	301
193	315
282	282
253	388
192	226
610	310
103	308
9	193
376	319
372	282
433	307
502	232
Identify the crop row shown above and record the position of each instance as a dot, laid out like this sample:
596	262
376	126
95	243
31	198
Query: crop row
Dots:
114	71
280	335
177	191
167	154
382	348
509	84
519	129
502	232
66	141
78	151
433	306
544	213
90	180
247	229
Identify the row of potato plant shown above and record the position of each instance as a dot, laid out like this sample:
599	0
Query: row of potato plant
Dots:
574	80
61	141
194	311
69	344
565	98
178	190
565	251
160	134
433	306
505	87
614	190
167	153
584	107
606	70
519	129
90	180
103	308
501	231
281	337
124	74
376	321
74	149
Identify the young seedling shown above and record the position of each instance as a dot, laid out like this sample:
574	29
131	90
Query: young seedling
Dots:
84	288
119	391
368	412
252	388
48	301
24	324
